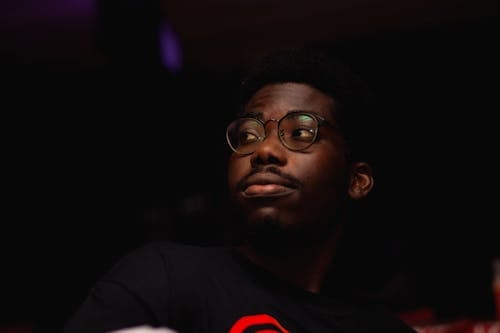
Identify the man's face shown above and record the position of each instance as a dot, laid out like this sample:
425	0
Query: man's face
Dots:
292	189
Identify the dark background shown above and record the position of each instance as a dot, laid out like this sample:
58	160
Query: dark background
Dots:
104	147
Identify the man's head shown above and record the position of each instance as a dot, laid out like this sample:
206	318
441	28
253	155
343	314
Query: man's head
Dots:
295	161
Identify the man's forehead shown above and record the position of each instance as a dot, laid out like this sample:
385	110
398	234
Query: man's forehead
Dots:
282	98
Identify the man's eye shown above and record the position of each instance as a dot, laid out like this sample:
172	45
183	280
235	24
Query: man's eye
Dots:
303	134
246	138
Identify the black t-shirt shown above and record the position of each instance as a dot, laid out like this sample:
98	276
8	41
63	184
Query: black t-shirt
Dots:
214	289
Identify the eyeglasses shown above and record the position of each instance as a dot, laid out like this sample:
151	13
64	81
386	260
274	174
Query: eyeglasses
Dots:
297	131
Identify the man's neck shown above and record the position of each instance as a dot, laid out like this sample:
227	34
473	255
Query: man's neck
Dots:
302	266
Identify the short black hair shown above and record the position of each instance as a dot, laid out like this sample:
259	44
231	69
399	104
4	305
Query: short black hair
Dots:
354	101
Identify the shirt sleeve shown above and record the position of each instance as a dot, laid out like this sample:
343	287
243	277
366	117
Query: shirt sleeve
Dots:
134	292
109	306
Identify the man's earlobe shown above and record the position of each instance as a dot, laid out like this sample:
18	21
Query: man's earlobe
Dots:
361	181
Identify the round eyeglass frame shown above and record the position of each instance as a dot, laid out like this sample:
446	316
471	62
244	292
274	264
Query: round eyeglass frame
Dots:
320	121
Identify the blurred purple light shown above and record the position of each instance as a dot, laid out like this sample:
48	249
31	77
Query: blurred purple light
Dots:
170	48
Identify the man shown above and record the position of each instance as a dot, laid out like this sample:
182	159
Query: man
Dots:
295	168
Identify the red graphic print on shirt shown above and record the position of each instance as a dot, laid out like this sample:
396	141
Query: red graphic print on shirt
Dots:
261	323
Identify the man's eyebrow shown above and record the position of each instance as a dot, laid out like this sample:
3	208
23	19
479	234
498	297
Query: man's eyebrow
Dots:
257	115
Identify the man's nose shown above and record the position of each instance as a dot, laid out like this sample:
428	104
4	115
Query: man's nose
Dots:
270	150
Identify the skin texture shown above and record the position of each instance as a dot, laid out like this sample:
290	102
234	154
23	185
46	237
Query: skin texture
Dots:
300	195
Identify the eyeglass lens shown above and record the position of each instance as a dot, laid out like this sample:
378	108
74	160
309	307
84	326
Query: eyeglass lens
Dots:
296	131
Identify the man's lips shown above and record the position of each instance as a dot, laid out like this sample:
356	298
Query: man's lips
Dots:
267	185
268	190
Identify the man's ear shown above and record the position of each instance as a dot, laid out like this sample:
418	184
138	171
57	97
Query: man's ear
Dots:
361	181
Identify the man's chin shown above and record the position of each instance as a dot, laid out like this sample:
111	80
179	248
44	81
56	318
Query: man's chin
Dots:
270	236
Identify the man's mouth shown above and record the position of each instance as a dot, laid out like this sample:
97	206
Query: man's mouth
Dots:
267	190
267	185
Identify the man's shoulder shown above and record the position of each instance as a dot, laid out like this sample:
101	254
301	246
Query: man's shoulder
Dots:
160	258
175	251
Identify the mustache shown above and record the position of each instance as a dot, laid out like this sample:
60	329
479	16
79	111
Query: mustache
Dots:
271	169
